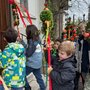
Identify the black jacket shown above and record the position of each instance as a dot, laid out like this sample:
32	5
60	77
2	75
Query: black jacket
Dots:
63	74
53	58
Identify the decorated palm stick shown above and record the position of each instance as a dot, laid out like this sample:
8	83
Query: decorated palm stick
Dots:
46	17
18	31
49	58
46	74
69	33
47	30
17	22
16	8
5	87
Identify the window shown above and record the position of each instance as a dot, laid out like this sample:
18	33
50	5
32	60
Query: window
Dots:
24	3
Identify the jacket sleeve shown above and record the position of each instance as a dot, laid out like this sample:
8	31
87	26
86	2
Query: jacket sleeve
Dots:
31	47
89	52
24	44
77	55
67	74
52	57
4	58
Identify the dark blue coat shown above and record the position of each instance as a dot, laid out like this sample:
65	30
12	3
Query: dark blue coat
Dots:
63	74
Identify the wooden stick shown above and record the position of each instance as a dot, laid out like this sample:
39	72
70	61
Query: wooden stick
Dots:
5	87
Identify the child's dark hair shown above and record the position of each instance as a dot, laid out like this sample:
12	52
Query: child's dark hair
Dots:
10	35
59	40
32	32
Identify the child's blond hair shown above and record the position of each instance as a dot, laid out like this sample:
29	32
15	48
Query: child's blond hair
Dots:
68	47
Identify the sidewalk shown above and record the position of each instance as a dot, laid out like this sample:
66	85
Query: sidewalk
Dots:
33	83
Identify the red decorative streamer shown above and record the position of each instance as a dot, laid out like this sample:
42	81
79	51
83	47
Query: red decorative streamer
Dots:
49	63
12	1
27	13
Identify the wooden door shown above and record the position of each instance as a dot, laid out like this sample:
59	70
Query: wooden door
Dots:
4	20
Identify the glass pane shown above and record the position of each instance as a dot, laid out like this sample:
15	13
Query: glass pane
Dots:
24	3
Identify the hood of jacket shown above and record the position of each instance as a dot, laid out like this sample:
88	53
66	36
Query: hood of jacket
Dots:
17	48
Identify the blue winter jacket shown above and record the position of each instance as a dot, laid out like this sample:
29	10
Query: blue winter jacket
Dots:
33	53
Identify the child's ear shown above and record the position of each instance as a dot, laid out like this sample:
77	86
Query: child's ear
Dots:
4	39
70	55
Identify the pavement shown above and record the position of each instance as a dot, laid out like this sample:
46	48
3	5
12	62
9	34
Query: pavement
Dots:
33	83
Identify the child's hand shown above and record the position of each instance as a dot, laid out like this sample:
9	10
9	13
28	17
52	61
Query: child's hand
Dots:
19	39
48	45
49	69
0	50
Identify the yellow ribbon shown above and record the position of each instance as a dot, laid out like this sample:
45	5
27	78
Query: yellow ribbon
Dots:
47	30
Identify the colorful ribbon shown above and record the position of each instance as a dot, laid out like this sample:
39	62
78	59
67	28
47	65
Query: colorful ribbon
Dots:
15	2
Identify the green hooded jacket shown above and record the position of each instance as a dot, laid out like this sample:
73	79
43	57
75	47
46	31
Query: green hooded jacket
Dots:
13	62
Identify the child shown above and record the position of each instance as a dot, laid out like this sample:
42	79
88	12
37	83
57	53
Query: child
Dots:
62	71
56	44
13	61
54	52
33	55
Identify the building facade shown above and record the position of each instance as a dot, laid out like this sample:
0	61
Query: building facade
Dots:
34	8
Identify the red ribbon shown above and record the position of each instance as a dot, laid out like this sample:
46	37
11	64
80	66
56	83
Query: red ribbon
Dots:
49	63
27	13
12	1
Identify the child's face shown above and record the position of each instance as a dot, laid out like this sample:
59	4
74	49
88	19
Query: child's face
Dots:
56	44
82	30
63	55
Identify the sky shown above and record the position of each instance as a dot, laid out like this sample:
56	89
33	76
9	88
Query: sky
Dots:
79	7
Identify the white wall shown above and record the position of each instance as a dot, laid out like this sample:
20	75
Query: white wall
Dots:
34	8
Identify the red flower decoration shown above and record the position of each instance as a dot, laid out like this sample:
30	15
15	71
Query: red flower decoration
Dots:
45	23
72	38
46	5
14	24
74	34
71	26
11	1
65	36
